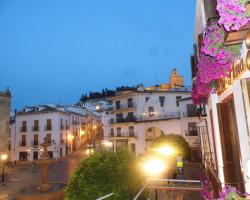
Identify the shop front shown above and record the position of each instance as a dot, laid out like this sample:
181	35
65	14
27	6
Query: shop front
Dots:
229	125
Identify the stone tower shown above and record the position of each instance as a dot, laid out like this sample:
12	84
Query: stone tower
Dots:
175	80
5	98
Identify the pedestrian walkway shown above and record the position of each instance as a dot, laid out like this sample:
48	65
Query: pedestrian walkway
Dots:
26	175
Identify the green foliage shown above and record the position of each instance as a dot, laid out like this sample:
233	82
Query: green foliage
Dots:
176	141
103	173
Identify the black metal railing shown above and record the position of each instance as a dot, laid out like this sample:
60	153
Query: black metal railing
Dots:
123	134
48	128
23	129
23	143
35	143
35	128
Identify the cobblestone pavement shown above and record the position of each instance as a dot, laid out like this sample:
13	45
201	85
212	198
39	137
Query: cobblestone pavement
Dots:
23	176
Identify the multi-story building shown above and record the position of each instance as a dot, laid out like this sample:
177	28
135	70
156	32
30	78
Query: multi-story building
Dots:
137	117
5	98
226	147
64	127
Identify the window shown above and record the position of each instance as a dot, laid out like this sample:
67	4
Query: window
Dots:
24	126
131	131
151	111
119	117
192	129
162	100
23	142
61	124
50	154
118	105
130	103
23	156
35	142
112	132
67	128
191	110
49	125
130	116
36	125
146	99
177	100
118	131
107	113
35	155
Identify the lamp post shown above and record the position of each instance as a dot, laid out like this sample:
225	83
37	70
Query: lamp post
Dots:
3	157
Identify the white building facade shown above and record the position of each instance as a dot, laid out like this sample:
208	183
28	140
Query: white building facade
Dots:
138	117
64	127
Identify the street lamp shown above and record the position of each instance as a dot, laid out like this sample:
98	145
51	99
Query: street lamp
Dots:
165	151
4	158
154	167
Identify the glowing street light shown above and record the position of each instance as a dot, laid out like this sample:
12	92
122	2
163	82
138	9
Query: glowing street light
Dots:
154	167
70	137
82	132
3	158
94	127
106	143
165	150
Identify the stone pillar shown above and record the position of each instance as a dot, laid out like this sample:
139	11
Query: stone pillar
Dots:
5	98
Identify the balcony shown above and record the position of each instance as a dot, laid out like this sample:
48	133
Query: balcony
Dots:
22	144
48	128
75	123
67	127
35	143
155	117
125	106
122	120
193	141
145	118
35	128
191	132
123	135
62	142
23	129
62	127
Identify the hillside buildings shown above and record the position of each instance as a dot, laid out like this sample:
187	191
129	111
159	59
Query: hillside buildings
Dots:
5	99
67	128
139	116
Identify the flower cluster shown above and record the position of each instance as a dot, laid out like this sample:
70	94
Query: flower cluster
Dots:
230	193
215	61
213	45
200	91
211	69
205	191
233	14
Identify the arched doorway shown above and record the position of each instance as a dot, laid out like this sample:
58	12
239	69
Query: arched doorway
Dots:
150	134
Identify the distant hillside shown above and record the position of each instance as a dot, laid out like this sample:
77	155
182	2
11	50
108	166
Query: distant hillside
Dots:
105	93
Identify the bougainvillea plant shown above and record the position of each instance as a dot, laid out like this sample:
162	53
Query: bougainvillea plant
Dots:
233	14
200	91
210	69
230	193
205	192
213	45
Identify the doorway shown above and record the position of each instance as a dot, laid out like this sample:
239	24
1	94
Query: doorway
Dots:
230	144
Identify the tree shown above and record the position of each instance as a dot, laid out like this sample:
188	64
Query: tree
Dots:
103	173
176	141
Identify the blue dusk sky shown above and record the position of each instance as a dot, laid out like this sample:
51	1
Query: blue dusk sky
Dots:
52	51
